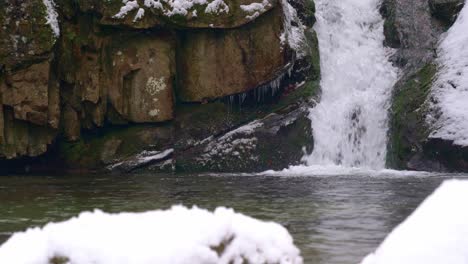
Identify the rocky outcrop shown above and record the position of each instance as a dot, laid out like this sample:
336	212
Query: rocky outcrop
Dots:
273	142
215	64
26	35
184	14
29	93
212	137
414	28
134	85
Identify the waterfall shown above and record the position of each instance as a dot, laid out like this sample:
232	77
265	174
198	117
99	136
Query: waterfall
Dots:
350	122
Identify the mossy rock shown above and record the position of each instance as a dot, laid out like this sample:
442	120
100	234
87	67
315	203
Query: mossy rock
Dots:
25	36
408	128
94	151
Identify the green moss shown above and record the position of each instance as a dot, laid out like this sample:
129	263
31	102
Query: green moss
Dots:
42	32
309	90
59	260
87	152
408	126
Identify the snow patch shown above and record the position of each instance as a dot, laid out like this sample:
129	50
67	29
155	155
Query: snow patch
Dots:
141	159
52	17
236	144
294	30
216	7
436	233
139	15
449	117
177	235
255	9
171	7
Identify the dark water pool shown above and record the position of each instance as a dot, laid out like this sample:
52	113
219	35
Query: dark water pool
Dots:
334	219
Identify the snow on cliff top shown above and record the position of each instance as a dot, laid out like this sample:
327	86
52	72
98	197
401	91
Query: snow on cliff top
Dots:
52	16
436	233
179	235
450	90
174	7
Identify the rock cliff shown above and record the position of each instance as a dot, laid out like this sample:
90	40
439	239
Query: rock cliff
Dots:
90	85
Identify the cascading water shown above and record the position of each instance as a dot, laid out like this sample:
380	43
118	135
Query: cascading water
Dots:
350	122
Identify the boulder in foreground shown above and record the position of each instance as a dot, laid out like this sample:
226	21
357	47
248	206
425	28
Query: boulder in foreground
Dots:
177	235
436	233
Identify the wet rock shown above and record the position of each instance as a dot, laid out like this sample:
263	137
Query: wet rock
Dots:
446	10
273	142
24	139
71	124
114	148
410	28
451	157
213	64
408	127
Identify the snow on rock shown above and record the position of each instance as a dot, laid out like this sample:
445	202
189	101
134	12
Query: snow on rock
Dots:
436	233
255	9
52	17
179	235
141	159
293	35
450	89
171	7
216	7
234	144
126	8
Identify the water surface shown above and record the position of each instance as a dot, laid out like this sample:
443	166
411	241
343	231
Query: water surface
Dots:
334	219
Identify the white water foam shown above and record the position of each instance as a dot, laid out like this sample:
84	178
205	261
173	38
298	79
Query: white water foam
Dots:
350	122
336	170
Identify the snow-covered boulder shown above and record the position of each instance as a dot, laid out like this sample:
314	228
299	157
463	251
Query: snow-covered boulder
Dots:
436	233
178	235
